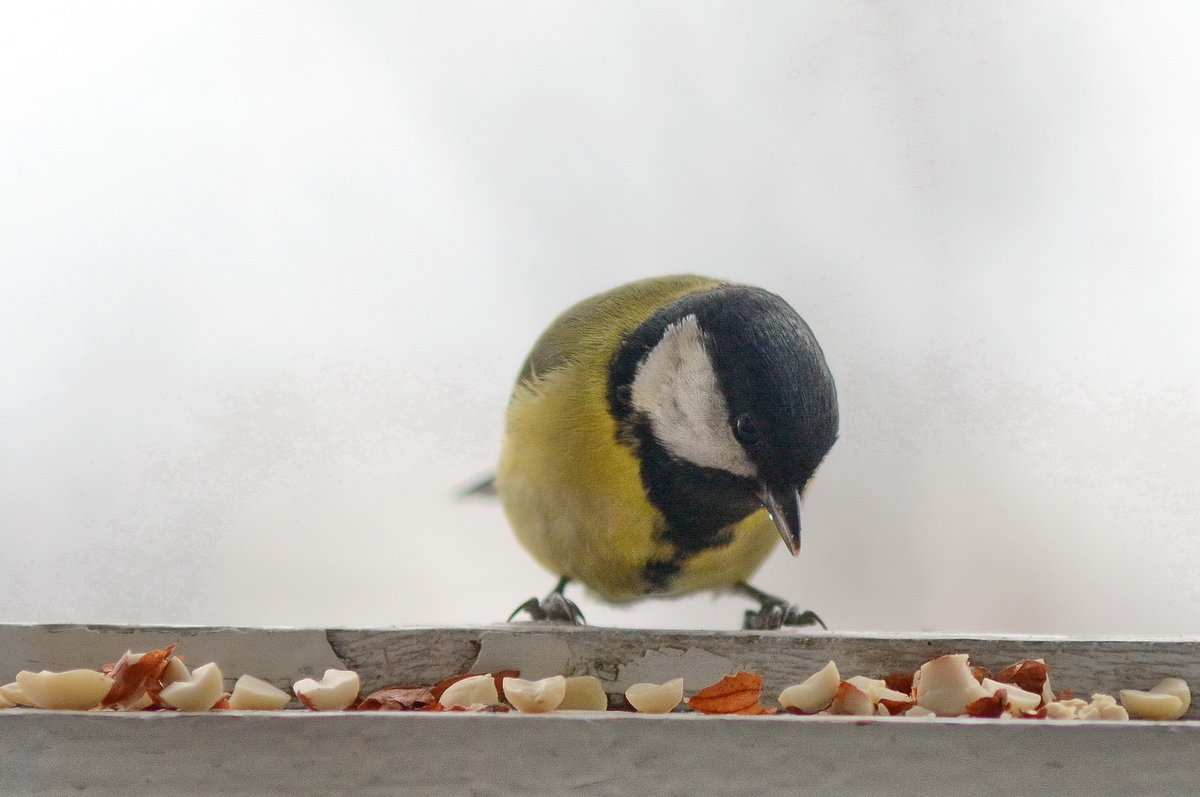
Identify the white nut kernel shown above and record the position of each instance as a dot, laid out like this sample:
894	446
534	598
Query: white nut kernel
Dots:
175	672
255	694
584	693
474	691
76	690
1061	710
1017	700
920	712
336	690
945	685
1151	706
535	697
203	689
655	698
815	693
851	700
871	687
1177	687
11	693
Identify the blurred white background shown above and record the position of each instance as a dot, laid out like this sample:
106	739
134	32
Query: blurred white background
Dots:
269	269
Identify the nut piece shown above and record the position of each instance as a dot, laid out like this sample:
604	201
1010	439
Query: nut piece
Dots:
733	694
1151	705
13	696
1061	710
655	698
876	689
815	693
945	685
851	700
535	697
1017	700
1102	707
477	690
920	712
584	693
255	694
176	671
73	690
199	693
334	692
1177	687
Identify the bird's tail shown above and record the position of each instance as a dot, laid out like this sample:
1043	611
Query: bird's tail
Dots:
486	488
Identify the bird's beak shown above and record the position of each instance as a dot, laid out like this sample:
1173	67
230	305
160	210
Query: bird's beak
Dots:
783	505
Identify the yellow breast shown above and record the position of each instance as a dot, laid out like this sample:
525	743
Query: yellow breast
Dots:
574	497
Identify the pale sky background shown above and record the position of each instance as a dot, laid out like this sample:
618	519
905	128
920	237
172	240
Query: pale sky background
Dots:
267	271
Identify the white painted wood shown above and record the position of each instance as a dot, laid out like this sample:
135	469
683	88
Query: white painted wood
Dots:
299	753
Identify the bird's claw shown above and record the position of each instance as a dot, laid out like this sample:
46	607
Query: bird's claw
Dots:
554	608
778	613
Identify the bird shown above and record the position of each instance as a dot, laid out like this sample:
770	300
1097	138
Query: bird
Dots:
658	440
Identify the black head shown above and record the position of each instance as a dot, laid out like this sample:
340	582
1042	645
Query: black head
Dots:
728	398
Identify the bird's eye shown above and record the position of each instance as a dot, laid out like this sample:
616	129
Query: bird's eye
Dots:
745	430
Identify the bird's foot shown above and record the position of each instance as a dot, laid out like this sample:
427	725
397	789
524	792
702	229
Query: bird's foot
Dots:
775	613
554	608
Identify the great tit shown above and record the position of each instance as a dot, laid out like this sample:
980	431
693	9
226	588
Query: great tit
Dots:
658	440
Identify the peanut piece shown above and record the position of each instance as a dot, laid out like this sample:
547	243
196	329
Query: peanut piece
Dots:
535	697
72	690
655	698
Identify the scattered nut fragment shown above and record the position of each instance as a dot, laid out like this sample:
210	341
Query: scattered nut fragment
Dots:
945	685
1062	709
733	694
920	712
474	690
1169	699
815	693
1151	705
851	700
584	693
11	693
255	694
894	708
989	707
655	698
1102	707
900	682
199	693
535	697
399	698
134	675
1177	687
76	690
336	690
175	671
1017	700
1032	675
876	689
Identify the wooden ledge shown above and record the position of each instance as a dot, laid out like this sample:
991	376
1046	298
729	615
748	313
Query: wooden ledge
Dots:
299	752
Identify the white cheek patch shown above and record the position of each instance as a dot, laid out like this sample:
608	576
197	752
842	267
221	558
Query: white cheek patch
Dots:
676	387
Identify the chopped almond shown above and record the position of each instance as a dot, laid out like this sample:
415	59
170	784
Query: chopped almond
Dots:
900	682
398	698
851	700
655	698
133	673
814	694
1032	675
733	694
989	707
